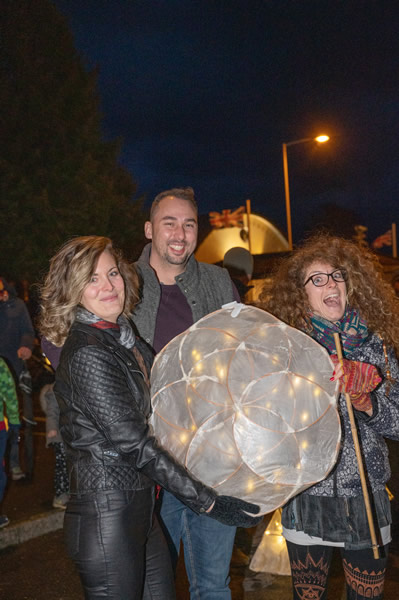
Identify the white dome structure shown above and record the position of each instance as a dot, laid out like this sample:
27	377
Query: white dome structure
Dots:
265	238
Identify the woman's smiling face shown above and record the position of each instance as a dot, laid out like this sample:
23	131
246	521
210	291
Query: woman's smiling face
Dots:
329	300
104	296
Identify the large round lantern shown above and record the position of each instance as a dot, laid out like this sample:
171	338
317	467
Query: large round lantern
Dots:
246	404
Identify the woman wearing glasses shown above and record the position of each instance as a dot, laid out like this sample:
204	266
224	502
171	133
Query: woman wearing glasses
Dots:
331	285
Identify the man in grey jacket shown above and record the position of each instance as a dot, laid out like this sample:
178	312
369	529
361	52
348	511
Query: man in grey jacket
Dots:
177	291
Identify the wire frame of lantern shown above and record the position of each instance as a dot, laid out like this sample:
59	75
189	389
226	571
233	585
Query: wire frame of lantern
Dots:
246	404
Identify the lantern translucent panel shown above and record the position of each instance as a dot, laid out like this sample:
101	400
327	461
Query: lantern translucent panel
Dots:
247	405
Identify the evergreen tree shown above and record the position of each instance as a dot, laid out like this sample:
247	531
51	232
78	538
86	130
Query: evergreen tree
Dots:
58	177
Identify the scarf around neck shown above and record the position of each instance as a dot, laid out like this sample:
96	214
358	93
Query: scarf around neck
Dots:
351	327
122	330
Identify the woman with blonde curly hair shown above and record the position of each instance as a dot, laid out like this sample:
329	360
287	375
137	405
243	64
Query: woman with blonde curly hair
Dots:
70	271
102	389
327	286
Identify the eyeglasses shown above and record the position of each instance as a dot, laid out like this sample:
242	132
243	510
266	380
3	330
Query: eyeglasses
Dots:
321	279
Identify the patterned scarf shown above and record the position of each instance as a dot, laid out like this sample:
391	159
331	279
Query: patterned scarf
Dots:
122	330
351	328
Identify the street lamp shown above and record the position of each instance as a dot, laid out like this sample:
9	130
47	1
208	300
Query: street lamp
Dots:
321	139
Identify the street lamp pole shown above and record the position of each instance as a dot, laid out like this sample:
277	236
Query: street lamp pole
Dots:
320	139
287	196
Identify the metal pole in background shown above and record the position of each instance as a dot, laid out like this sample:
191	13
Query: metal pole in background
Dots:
320	139
248	205
287	196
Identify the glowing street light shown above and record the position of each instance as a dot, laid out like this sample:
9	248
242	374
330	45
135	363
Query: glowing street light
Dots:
320	139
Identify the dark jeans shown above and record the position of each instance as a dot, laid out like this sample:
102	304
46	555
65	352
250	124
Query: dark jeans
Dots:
208	545
118	547
310	569
13	440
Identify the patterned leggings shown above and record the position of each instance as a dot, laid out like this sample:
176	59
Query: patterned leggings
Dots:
310	567
61	481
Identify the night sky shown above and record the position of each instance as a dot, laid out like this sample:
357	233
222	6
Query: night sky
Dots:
204	92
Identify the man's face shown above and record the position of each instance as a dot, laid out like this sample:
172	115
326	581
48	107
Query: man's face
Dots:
173	231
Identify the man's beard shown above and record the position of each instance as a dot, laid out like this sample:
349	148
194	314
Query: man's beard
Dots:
172	259
176	260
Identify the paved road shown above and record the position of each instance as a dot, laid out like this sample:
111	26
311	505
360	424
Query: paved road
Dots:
38	569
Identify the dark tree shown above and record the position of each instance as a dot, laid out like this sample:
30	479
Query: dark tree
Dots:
58	177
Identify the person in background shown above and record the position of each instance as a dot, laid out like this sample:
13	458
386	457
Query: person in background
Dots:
50	407
240	264
102	388
17	333
16	344
327	286
9	402
176	291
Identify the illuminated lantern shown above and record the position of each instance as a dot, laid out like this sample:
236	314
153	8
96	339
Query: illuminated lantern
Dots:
271	555
246	404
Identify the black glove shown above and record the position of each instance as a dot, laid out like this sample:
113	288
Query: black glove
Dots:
230	511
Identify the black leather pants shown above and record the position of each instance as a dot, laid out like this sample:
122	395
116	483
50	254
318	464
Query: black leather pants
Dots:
118	547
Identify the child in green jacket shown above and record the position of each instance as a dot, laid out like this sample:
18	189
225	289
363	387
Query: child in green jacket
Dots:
8	413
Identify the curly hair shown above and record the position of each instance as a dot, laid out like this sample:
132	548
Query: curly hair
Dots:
367	291
71	269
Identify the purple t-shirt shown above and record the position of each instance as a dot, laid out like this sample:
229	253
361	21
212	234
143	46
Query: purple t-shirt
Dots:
174	316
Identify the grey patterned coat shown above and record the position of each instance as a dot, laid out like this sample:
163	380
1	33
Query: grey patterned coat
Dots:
334	509
344	480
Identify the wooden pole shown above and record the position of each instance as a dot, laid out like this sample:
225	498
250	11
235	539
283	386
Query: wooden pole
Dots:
248	202
394	246
374	544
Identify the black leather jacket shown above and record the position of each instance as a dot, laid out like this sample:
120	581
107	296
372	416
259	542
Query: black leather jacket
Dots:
104	407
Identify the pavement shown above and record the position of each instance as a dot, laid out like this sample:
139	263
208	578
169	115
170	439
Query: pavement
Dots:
28	503
34	538
34	533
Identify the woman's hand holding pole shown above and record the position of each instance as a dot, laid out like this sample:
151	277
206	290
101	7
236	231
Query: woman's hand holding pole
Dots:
359	457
